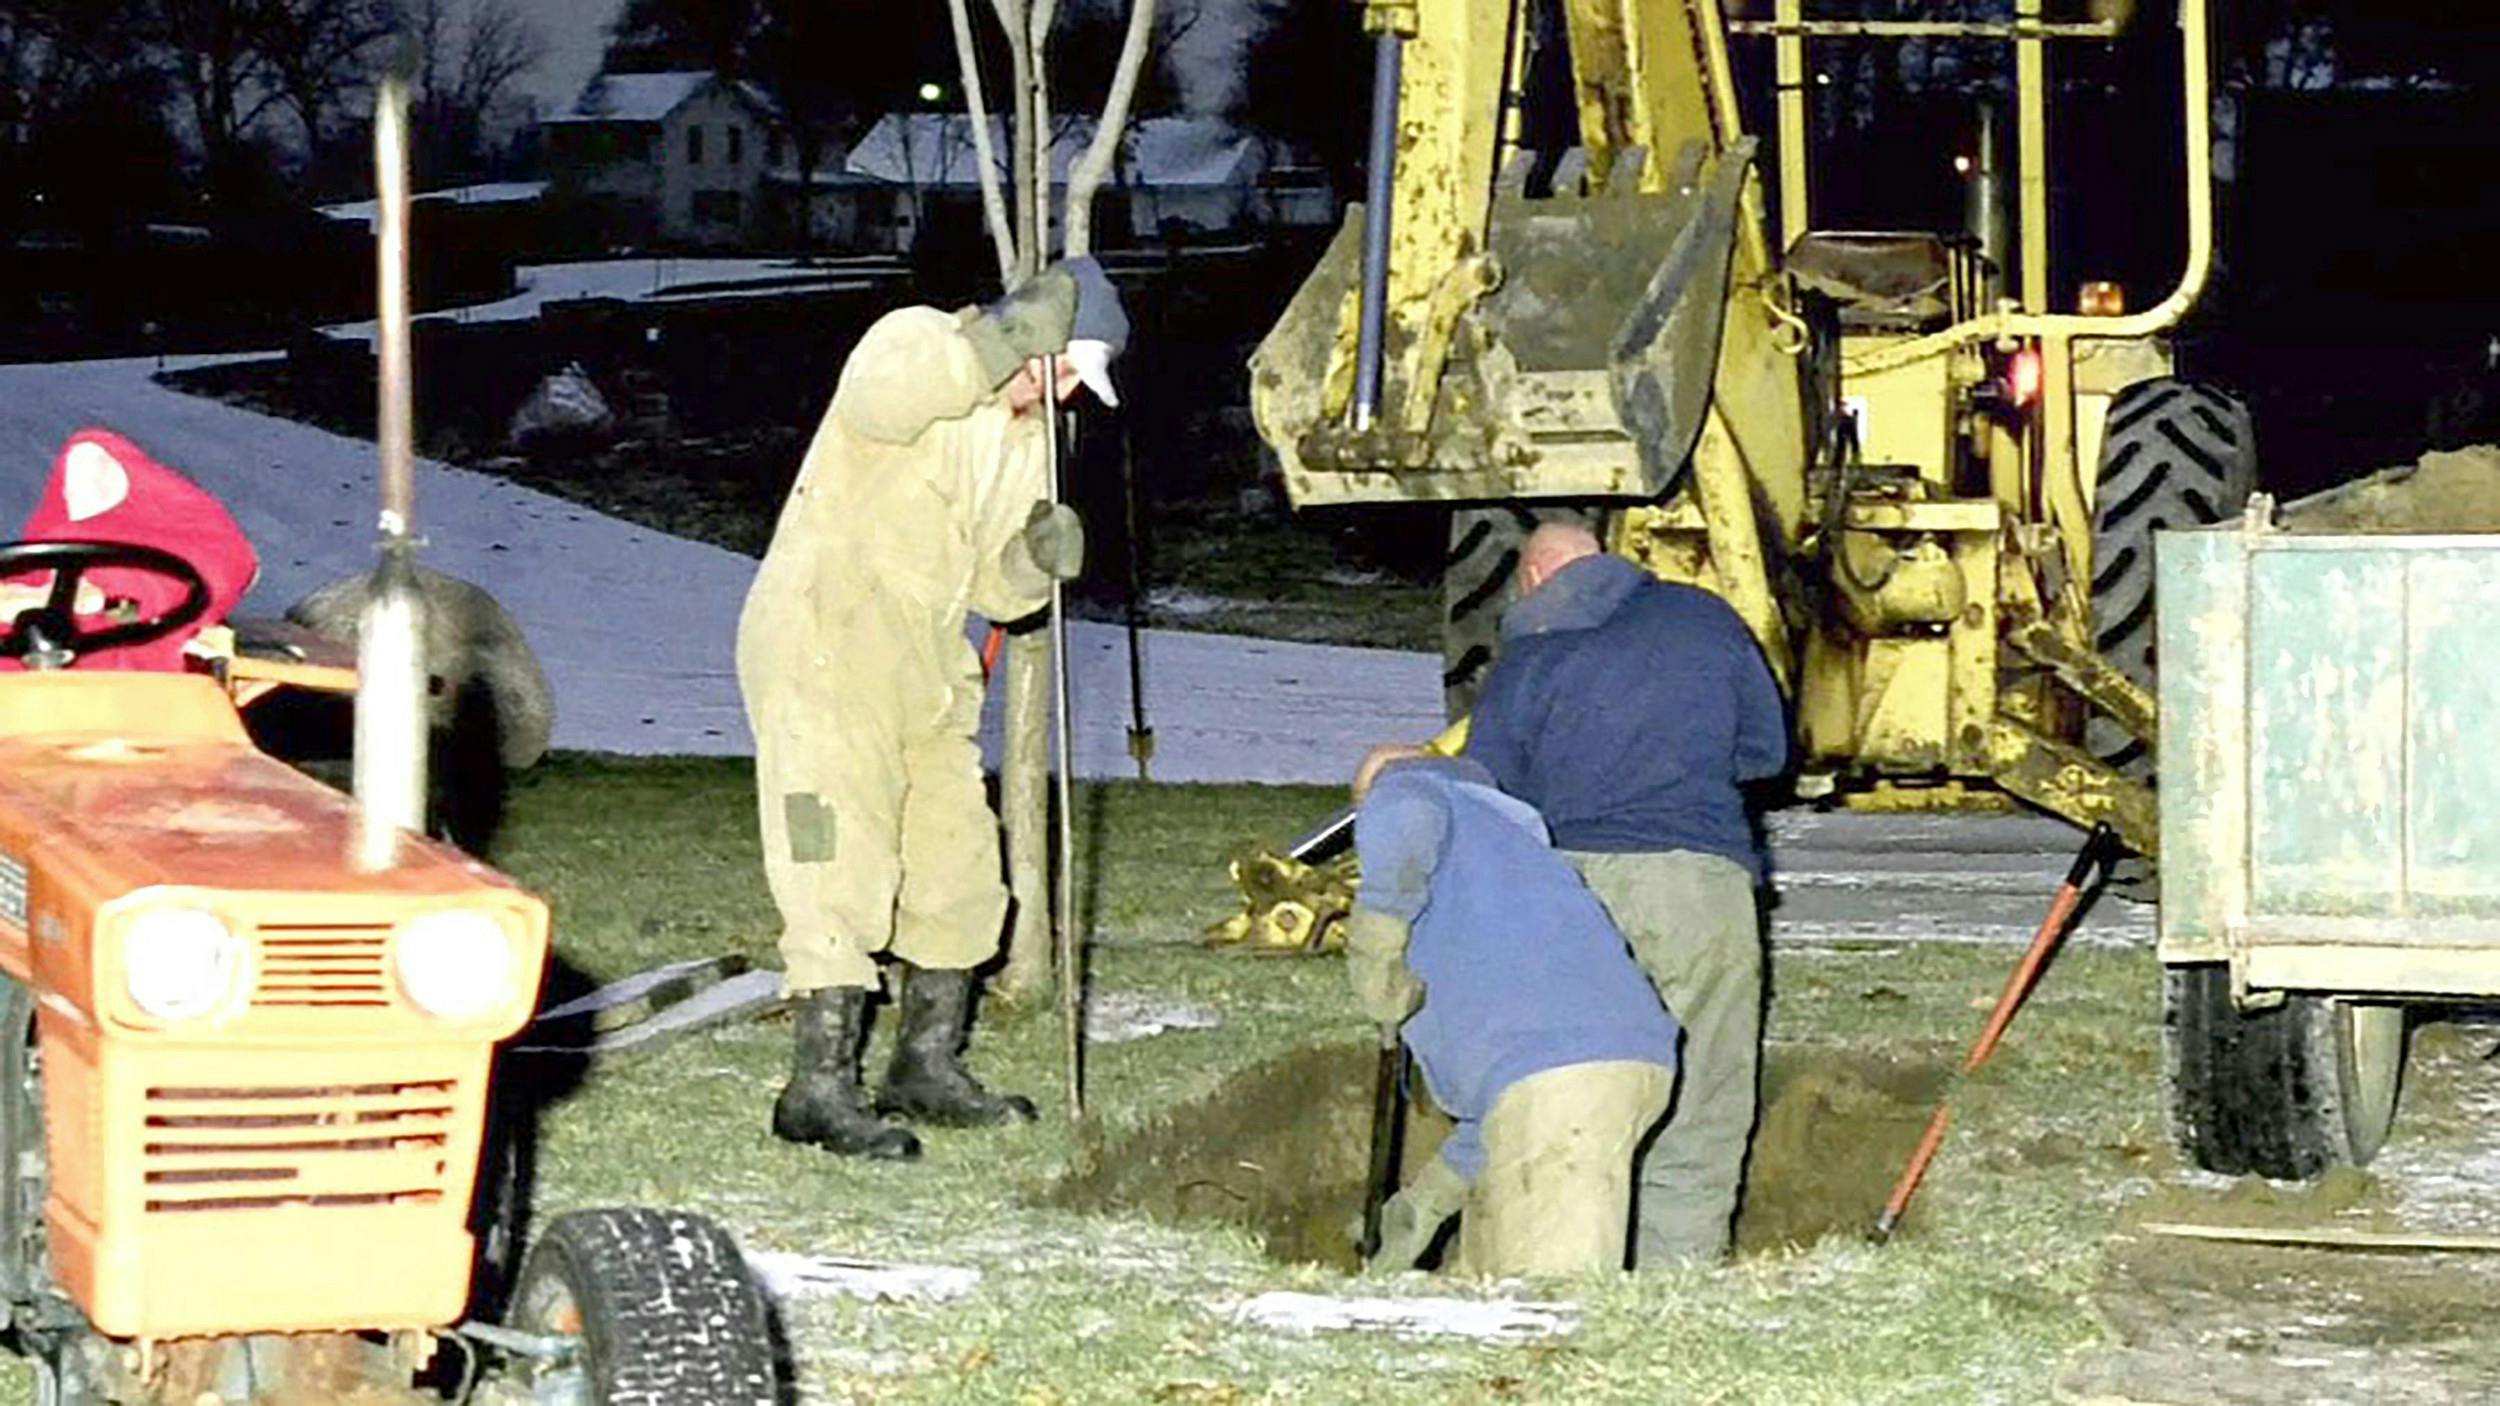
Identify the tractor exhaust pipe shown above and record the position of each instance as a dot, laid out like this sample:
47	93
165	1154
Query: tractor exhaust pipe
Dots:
390	652
1380	170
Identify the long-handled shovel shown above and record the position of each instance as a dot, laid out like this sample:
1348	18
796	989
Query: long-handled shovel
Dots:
1388	1129
2096	849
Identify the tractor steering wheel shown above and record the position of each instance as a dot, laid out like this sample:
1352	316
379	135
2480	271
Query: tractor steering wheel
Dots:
48	636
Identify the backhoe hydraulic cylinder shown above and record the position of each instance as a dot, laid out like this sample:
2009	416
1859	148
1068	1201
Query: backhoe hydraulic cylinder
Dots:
1380	179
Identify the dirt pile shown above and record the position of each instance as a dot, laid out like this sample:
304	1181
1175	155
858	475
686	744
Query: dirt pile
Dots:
1836	1130
2455	491
1280	1149
1283	1147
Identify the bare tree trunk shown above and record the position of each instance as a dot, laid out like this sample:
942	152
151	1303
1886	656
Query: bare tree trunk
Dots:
1088	174
1038	20
1024	771
976	106
1021	61
1024	767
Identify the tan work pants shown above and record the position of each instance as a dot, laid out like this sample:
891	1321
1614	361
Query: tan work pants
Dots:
1690	921
1555	1196
878	836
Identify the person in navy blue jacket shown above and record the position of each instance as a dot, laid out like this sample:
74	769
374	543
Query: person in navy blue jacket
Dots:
1532	1025
1631	712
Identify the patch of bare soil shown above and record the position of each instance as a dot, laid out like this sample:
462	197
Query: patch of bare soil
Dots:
2193	1321
2200	1322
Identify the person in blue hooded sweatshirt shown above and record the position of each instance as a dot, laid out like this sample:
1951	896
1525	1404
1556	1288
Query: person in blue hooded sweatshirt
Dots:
1534	1028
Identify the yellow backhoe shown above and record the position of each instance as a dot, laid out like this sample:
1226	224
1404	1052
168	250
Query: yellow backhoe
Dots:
1927	480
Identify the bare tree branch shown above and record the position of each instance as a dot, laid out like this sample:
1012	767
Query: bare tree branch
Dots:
501	46
1088	175
976	106
1037	40
1020	64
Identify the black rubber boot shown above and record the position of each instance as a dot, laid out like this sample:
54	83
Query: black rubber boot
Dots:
927	1081
822	1104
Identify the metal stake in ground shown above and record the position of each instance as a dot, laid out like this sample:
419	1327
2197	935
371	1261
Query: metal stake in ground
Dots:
1141	735
1071	970
2096	849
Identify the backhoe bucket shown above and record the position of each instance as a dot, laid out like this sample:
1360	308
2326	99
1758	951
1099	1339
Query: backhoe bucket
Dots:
1573	360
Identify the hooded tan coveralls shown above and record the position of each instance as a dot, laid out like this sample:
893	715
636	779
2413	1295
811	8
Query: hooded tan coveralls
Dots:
861	686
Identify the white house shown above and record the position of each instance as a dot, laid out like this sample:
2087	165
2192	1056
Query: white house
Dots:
1200	174
676	158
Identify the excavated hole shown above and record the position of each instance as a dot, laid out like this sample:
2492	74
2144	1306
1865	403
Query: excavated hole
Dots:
1282	1148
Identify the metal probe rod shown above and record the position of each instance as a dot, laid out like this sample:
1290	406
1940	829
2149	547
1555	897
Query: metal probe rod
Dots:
1071	972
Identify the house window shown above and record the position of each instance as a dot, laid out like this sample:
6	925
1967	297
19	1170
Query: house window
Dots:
737	145
716	207
694	146
772	148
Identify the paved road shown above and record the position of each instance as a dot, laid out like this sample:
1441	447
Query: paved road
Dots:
636	628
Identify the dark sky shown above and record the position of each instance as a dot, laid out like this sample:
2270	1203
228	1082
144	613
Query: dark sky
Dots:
576	32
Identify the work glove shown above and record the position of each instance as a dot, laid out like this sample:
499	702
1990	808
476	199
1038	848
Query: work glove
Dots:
1412	1219
1375	962
1054	537
1032	320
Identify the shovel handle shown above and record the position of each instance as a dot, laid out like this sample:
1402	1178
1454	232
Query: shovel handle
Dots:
1388	1111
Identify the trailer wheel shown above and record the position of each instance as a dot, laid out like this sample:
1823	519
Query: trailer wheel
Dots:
2285	1092
1478	583
662	1304
2174	454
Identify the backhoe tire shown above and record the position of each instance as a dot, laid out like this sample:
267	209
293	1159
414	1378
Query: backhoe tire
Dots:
666	1309
2174	454
1479	580
2286	1092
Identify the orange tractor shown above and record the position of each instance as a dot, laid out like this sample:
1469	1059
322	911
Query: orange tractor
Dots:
244	1074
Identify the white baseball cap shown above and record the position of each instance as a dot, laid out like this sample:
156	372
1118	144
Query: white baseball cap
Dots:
1092	360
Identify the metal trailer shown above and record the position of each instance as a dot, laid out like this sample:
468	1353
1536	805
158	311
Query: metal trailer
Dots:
2330	826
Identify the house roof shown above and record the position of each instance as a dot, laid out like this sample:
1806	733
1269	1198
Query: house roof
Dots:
647	97
936	148
933	148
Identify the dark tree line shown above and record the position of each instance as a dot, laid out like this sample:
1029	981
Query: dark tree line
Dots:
115	107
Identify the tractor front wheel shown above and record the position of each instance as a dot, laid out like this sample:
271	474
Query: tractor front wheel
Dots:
661	1304
67	1355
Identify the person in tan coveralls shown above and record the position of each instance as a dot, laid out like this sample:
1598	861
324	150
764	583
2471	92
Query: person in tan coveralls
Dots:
925	495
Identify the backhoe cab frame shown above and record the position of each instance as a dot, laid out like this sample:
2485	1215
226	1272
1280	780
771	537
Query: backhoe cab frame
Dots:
1913	549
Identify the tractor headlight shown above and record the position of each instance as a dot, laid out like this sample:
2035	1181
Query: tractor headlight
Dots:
181	963
456	964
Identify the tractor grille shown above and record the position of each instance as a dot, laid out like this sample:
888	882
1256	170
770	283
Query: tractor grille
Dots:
323	966
250	1149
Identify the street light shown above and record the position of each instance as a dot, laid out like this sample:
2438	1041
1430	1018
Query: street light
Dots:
931	92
